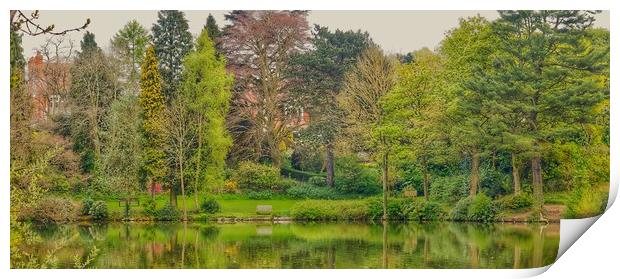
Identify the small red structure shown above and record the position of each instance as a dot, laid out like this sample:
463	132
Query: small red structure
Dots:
155	189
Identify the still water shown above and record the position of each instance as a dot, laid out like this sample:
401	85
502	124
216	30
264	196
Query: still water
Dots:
303	245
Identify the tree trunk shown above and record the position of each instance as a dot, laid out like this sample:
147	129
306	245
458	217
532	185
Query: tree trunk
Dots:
475	175
516	176
330	164
537	185
183	186
173	196
426	180
198	162
384	180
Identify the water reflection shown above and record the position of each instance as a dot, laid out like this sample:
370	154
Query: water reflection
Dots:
306	245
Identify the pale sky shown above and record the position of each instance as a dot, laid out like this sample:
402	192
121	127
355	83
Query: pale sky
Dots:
394	31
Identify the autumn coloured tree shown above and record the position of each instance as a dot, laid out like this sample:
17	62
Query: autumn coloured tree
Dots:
258	45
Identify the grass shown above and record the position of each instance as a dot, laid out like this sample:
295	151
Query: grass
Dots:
230	207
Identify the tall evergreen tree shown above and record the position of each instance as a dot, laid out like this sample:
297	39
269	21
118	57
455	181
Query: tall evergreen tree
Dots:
544	74
152	103
319	76
172	41
206	88
129	44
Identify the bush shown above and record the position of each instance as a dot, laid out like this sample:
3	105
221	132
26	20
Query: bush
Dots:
586	202
330	210
149	207
210	205
515	202
257	177
353	178
482	209
461	209
54	210
311	192
494	183
449	189
299	174
87	203
260	195
427	211
397	209
318	181
99	210
167	213
284	184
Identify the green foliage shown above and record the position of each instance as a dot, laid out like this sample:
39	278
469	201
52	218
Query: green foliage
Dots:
172	41
318	181
461	209
494	183
449	189
129	44
256	177
330	210
99	210
305	191
482	209
167	213
299	174
353	178
149	207
87	204
426	211
210	205
260	195
516	202
585	201
54	210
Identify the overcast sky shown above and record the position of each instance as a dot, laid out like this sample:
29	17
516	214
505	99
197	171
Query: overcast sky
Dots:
395	31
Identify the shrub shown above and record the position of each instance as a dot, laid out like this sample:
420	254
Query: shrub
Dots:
515	202
54	210
149	207
353	178
257	177
260	195
397	208
311	192
231	186
87	203
284	184
210	205
482	209
330	210
318	181
494	183
585	201
449	189
460	210
167	213
99	210
427	211
299	174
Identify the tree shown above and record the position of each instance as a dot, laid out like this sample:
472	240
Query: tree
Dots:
179	139
369	80
206	88
27	24
122	148
152	103
415	106
172	41
318	76
468	46
547	67
129	44
214	33
93	88
258	46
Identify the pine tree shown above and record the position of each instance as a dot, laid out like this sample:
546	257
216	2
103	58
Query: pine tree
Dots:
172	41
153	104
206	88
129	44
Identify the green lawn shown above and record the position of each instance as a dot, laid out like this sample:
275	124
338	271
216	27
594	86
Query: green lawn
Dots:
230	207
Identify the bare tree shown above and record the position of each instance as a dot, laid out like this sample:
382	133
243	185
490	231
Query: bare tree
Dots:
27	24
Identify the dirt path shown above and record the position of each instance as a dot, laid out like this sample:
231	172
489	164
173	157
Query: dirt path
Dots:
553	213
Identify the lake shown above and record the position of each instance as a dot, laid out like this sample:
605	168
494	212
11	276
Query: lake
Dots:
302	245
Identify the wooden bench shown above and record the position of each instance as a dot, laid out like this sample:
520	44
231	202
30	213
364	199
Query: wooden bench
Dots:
264	209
